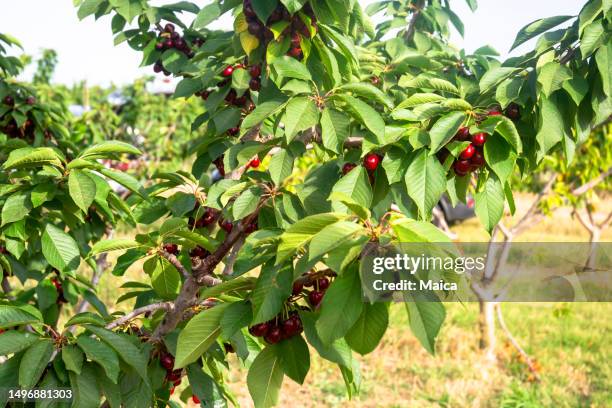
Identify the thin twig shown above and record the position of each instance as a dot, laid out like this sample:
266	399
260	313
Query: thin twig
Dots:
517	346
591	184
228	269
175	262
137	312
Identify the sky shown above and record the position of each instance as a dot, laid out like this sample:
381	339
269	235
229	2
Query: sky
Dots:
86	51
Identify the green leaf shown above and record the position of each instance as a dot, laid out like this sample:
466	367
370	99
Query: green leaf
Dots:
592	38
369	329
507	129
88	7
301	113
335	127
273	287
489	204
109	148
15	316
128	352
551	77
552	125
425	181
444	130
604	61
494	76
237	316
60	249
294	358
16	207
300	233
198	335
72	357
588	13
438	84
102	354
426	315
265	378
113	245
127	9
12	341
536	28
288	67
85	386
340	307
34	362
355	185
294	6
408	230
420	99
246	203
82	189
261	113
264	8
500	157
125	180
165	279
31	157
281	167
365	114
332	236
368	92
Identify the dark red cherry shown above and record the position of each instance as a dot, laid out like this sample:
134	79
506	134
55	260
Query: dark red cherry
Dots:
468	152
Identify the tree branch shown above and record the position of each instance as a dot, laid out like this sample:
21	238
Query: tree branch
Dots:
137	312
533	209
228	269
175	262
412	24
585	223
591	184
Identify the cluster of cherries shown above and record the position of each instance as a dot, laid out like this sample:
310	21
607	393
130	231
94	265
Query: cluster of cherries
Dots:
296	27
278	328
169	39
371	161
471	158
172	376
11	129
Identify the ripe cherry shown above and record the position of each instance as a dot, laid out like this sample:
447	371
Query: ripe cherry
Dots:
123	166
171	248
315	297
297	288
199	252
180	43
468	152
195	399
295	52
174	375
227	72
30	100
233	131
169	28
291	326
255	162
371	161
274	335
494	112
168	43
172	390
254	84
255	71
167	362
348	167
479	139
251	227
323	283
477	160
9	100
295	40
462	167
226	225
259	330
159	46
463	133
1	331
513	111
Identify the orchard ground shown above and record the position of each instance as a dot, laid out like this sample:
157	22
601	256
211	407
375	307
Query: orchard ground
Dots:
570	342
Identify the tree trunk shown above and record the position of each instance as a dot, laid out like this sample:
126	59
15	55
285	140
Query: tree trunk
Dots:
595	237
487	330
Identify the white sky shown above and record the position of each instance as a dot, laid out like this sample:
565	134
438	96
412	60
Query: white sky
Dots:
86	50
